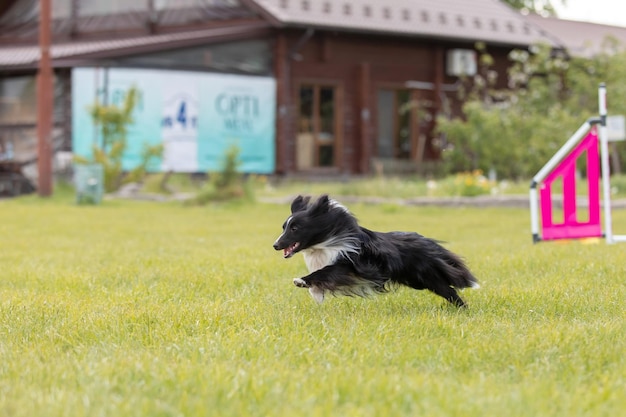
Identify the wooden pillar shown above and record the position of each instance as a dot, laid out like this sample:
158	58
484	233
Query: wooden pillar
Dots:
438	81
418	138
45	103
325	55
364	89
438	92
66	82
281	71
73	19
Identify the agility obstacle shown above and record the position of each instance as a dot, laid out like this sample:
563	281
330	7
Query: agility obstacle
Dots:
562	167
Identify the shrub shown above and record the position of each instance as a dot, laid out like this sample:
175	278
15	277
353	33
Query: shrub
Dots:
113	122
514	144
228	184
470	184
515	130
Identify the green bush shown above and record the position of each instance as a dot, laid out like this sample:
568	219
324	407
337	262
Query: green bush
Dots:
228	184
515	130
516	145
468	184
113	121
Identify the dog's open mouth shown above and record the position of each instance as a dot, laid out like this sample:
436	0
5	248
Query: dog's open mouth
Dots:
288	251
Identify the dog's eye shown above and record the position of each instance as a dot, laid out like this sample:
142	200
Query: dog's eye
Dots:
293	228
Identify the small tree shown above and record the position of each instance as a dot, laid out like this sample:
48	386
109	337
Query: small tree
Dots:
517	129
538	6
113	122
229	179
228	184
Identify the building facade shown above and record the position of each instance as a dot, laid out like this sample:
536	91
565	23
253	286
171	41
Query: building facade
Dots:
357	84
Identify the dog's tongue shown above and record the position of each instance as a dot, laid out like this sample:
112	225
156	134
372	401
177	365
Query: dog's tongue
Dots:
288	252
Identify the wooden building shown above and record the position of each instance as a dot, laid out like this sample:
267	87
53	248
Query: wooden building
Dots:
359	83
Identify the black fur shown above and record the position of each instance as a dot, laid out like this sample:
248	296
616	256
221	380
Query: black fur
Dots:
345	258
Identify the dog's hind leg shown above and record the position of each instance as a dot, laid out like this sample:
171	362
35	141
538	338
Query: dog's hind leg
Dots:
449	294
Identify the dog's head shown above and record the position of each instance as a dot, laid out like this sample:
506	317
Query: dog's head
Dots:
303	228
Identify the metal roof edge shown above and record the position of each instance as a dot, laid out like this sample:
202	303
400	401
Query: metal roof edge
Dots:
266	14
114	48
289	19
301	25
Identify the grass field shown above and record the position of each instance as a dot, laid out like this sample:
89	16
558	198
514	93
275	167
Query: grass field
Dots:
146	309
393	187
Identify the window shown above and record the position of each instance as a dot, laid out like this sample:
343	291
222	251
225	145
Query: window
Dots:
406	126
61	9
98	7
247	57
182	4
316	143
18	100
395	116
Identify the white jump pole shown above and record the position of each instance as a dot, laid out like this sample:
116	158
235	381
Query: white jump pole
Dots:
534	213
606	170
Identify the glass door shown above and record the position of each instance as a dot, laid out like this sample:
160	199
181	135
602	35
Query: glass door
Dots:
316	141
395	117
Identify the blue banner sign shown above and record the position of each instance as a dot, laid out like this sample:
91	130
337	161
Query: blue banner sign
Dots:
196	116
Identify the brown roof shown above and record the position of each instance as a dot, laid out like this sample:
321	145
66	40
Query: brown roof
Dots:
490	21
583	39
469	20
21	22
28	56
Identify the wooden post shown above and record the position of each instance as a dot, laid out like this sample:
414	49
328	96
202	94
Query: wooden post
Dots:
281	69
438	94
45	103
364	87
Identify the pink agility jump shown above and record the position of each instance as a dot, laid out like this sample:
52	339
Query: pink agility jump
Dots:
571	227
585	141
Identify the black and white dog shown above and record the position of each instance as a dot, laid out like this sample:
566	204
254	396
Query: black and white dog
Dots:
347	259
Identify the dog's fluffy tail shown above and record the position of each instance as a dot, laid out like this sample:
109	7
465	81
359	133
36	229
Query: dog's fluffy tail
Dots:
456	273
446	274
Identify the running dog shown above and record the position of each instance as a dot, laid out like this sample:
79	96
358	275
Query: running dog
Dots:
344	258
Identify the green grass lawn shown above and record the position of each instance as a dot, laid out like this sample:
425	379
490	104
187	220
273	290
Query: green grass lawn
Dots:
147	309
394	187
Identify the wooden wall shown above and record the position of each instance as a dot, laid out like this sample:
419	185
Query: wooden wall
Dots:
360	65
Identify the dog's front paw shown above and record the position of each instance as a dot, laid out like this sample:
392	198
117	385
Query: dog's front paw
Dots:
299	282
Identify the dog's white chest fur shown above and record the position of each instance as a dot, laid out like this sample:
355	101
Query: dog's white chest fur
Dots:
324	254
316	259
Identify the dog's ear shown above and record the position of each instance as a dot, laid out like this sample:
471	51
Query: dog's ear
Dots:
322	205
299	203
